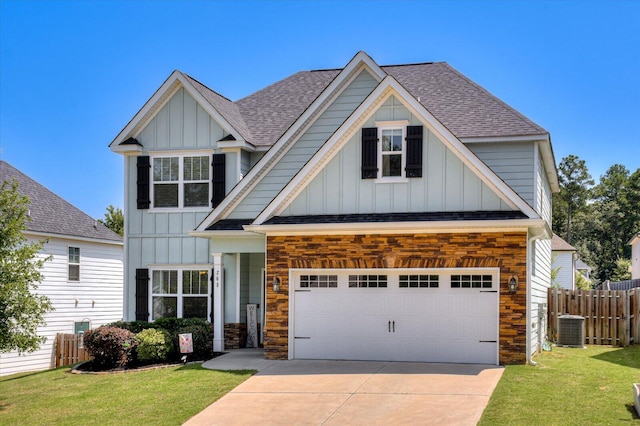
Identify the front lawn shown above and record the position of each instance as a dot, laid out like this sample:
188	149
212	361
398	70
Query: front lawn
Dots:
164	396
569	386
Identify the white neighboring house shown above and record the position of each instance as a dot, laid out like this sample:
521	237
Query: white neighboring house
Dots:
635	256
564	257
83	279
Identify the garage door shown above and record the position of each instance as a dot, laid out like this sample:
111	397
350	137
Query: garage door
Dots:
395	315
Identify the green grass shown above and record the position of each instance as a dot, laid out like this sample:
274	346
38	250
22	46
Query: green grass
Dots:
569	386
164	396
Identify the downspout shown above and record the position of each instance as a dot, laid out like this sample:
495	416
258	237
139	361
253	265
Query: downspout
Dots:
530	242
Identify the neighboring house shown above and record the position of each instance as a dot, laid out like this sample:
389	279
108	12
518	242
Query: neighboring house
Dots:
583	269
371	212
83	279
564	257
635	256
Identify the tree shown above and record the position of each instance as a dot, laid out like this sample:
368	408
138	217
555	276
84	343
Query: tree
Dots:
622	271
114	220
575	182
22	310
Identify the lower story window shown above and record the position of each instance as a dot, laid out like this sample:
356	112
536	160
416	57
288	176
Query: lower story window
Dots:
368	281
180	293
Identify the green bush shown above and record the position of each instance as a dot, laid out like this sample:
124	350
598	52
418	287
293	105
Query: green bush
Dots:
153	345
111	347
133	326
200	333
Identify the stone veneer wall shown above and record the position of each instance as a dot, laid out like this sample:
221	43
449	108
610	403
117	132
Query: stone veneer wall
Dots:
506	250
235	335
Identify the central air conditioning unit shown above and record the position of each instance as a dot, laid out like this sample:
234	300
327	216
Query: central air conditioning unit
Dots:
571	331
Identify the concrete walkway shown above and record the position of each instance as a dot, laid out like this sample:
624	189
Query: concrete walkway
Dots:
304	392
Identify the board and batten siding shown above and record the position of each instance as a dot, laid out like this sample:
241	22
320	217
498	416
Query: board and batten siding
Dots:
156	237
305	147
512	162
447	183
98	294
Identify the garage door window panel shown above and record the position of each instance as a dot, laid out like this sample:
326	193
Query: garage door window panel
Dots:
471	281
368	281
419	281
318	281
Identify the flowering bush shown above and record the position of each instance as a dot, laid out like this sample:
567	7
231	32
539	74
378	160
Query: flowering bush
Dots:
110	346
153	345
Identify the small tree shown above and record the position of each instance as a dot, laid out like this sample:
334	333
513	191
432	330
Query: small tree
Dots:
622	272
582	282
114	220
22	310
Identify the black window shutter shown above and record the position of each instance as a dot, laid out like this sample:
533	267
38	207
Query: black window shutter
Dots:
218	179
142	295
144	170
369	153
414	152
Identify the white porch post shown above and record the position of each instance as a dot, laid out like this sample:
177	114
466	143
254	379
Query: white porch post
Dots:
218	303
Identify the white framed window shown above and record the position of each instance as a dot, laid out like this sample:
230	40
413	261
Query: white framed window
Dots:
181	181
180	293
74	264
391	152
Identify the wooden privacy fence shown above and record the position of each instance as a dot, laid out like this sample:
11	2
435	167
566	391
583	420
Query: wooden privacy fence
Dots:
67	350
611	317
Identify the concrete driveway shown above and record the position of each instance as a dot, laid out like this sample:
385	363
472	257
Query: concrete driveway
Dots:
351	393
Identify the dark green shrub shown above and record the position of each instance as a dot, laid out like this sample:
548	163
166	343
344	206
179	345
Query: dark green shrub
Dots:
202	343
111	347
153	345
133	326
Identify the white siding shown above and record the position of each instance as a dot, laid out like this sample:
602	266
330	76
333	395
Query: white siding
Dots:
540	282
563	261
543	197
305	147
635	259
512	162
98	294
447	183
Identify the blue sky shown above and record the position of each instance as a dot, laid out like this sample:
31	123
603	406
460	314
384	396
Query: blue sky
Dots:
73	73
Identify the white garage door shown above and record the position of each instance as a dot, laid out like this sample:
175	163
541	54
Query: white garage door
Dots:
395	315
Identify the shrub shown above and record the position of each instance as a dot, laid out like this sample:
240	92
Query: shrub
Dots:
110	346
200	333
153	345
133	326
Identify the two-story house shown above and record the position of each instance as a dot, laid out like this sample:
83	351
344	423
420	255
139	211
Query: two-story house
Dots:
82	278
371	212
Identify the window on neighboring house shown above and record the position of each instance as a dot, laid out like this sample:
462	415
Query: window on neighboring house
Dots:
181	181
74	263
180	293
391	152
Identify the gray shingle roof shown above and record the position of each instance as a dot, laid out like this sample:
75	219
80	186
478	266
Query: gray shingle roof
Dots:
465	108
224	106
51	214
272	110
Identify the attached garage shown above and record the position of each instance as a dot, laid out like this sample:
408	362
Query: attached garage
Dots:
422	315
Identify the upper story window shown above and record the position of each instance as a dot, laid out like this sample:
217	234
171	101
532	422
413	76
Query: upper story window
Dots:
74	263
181	181
391	152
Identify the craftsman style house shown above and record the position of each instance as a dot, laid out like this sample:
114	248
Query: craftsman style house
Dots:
370	212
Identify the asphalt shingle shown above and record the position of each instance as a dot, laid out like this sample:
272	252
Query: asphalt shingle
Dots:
51	214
